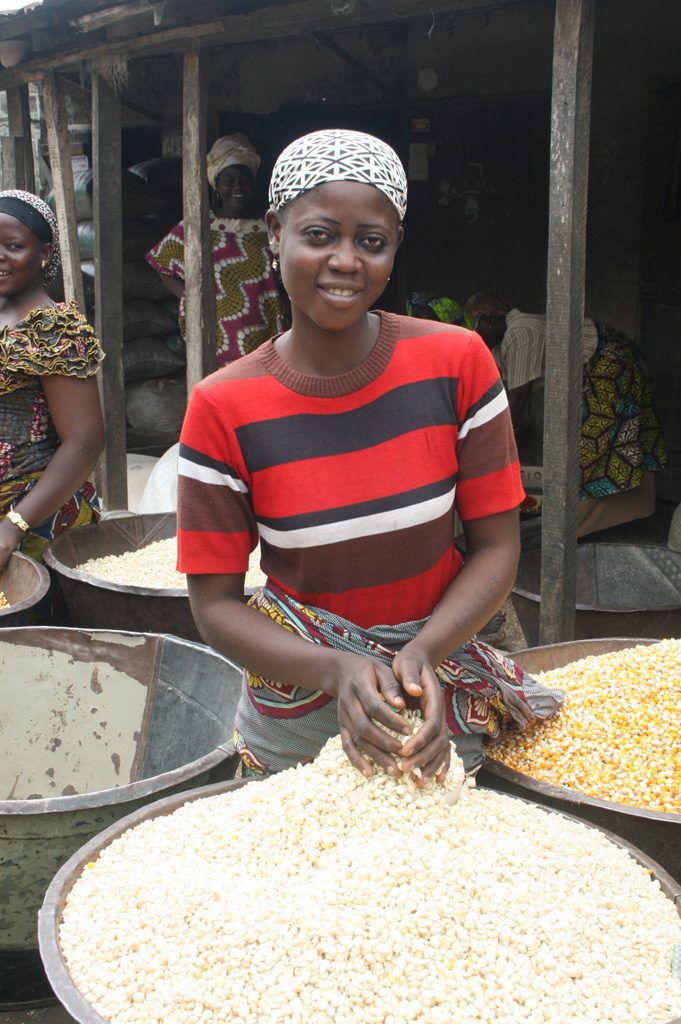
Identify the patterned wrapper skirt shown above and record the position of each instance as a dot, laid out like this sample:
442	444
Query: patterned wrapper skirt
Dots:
280	725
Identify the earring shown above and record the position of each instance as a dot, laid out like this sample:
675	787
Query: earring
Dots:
275	263
43	264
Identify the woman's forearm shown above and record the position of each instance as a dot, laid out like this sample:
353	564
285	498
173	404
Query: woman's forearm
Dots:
479	590
64	474
174	285
251	639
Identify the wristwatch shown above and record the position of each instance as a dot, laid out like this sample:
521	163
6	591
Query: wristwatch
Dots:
15	518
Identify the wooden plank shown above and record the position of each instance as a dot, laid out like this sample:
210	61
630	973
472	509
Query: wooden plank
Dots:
108	226
198	262
20	141
568	186
62	177
276	22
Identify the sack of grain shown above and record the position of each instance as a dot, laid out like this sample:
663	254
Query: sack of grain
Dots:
156	407
138	198
142	319
149	358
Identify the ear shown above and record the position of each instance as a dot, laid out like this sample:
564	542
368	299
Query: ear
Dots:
400	237
46	251
273	222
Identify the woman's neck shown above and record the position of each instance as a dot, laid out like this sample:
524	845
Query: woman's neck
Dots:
309	349
13	308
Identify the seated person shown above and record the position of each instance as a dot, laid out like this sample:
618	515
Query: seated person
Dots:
619	451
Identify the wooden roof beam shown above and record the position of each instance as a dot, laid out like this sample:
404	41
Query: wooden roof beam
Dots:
276	22
330	43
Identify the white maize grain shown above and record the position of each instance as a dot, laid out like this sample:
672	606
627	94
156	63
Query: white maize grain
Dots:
321	897
154	566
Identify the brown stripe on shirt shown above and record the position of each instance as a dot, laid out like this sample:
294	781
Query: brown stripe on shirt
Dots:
488	448
351	564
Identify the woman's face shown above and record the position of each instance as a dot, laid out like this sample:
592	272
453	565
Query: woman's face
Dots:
21	255
234	185
336	246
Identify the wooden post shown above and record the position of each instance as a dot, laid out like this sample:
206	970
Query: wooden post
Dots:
107	203
570	117
198	262
20	140
62	178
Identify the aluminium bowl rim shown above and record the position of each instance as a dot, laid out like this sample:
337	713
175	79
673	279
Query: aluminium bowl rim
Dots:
132	790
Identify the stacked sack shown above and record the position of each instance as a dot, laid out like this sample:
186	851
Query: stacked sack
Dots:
156	403
153	351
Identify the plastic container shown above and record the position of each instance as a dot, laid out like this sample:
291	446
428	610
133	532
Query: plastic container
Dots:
51	912
95	725
622	590
24	583
657	833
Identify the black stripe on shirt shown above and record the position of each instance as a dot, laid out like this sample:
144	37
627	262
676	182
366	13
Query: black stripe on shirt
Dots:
286	439
201	459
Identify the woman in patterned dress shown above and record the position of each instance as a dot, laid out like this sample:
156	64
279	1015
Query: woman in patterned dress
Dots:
51	430
248	302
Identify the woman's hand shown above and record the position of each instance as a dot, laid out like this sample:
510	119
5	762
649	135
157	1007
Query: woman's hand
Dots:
10	539
429	749
366	691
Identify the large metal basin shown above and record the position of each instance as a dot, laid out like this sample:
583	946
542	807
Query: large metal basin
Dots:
622	590
94	724
24	583
50	914
95	603
657	833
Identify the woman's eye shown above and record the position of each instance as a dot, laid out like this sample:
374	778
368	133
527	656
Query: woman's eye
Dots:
374	243
317	234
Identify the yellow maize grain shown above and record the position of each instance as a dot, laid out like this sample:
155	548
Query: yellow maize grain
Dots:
618	735
4	603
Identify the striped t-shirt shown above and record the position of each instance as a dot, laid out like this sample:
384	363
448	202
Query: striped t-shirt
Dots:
350	482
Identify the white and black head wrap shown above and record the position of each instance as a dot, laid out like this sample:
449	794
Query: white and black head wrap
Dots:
38	217
337	154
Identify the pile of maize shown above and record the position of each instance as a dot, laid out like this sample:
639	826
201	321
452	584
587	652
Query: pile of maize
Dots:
319	896
154	566
617	736
4	603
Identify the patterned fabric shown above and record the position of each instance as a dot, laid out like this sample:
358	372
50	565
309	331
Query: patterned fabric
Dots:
228	151
338	155
351	482
248	306
52	340
620	433
49	271
279	725
438	307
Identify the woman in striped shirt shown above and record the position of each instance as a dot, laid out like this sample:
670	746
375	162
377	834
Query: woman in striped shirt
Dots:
345	445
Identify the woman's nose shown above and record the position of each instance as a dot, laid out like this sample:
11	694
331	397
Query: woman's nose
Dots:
344	256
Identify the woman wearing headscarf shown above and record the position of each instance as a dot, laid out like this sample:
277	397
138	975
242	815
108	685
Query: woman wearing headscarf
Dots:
346	445
51	430
248	302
